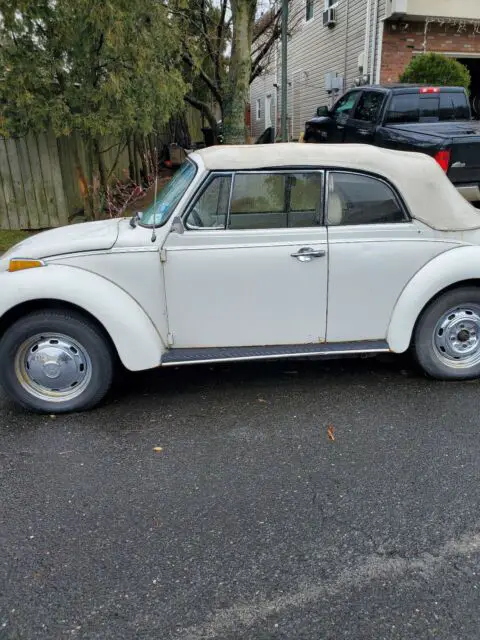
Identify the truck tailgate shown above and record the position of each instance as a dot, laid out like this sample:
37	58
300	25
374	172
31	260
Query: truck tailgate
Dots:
465	159
461	137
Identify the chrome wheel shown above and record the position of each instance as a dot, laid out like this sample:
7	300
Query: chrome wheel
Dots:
53	367
456	338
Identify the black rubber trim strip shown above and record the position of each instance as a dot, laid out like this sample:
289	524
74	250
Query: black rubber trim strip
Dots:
278	351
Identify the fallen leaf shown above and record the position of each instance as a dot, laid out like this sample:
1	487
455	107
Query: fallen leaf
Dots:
330	431
158	449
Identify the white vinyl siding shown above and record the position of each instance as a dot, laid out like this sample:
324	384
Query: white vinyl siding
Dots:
314	51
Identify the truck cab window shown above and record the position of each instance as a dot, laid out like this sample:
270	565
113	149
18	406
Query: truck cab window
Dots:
344	106
369	105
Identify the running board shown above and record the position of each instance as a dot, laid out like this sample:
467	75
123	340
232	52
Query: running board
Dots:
227	354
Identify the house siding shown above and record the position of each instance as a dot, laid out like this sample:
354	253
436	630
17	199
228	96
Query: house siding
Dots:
260	89
314	51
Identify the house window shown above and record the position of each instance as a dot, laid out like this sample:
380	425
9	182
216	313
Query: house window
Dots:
308	10
330	3
258	109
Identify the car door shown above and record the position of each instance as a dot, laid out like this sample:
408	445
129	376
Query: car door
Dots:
374	250
340	114
251	267
362	123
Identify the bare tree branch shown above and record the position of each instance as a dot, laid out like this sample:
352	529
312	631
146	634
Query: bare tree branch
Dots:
203	108
264	23
267	34
206	79
220	30
203	18
115	162
263	52
256	73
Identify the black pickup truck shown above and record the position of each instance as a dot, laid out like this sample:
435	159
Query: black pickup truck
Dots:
432	120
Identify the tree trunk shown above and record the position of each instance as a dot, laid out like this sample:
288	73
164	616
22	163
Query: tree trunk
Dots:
207	113
143	159
136	167
182	134
131	168
83	182
237	95
102	172
153	153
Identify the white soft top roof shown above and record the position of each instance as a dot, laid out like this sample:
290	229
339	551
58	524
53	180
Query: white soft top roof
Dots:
428	193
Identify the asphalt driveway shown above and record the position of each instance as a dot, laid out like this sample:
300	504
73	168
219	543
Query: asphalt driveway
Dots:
248	521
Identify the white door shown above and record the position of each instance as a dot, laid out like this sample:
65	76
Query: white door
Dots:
374	250
253	272
268	112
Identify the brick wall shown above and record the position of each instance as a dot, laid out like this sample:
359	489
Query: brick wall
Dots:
401	40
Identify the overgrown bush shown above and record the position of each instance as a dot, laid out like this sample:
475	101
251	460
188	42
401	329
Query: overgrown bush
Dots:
435	68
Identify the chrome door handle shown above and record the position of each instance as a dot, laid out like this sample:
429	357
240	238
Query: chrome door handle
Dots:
363	132
305	254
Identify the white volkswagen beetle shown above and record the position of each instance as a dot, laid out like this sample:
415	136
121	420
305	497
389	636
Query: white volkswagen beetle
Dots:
249	253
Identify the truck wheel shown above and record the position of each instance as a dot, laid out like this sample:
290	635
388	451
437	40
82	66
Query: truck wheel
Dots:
55	362
447	336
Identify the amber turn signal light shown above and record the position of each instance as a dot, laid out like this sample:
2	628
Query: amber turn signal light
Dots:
19	264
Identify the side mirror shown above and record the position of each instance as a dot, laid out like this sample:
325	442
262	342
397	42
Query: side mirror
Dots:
177	225
322	111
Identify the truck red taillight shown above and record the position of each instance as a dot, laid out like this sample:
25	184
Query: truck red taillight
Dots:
443	159
430	90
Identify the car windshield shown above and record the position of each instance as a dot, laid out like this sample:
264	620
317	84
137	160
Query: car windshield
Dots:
171	194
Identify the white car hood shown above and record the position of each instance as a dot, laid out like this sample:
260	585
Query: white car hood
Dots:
88	236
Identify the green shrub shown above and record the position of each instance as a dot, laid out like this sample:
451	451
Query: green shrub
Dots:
434	68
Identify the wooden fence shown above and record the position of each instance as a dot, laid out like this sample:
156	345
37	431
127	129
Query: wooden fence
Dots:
42	178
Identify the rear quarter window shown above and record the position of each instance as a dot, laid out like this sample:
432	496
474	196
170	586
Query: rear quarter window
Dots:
454	106
413	107
403	109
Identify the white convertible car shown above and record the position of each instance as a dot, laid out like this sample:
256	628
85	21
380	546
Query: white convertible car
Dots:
251	252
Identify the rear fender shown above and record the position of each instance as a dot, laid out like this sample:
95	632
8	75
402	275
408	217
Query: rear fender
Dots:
456	266
134	335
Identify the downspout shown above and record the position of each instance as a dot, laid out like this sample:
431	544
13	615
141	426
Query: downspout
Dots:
367	37
374	41
378	72
275	86
292	122
347	7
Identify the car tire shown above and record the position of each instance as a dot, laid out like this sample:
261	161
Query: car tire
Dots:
447	336
56	361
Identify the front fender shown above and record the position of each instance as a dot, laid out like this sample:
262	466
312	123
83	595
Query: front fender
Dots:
134	335
448	268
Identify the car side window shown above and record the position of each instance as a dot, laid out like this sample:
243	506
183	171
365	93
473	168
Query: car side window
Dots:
343	108
275	200
359	199
369	105
210	209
